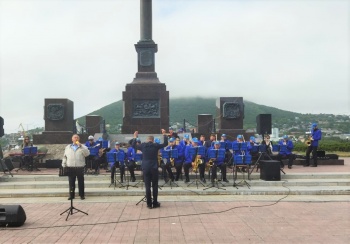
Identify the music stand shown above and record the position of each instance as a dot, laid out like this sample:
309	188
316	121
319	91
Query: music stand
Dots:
241	161
113	158
216	154
170	154
28	153
71	208
194	151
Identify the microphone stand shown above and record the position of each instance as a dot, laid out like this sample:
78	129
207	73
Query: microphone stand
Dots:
71	208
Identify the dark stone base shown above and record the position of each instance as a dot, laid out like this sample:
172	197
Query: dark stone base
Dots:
56	137
146	124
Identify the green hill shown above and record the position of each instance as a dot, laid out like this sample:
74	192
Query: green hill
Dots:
189	108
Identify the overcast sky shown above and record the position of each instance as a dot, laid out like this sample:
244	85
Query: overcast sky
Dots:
291	54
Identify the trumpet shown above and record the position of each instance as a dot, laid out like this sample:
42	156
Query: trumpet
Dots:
197	161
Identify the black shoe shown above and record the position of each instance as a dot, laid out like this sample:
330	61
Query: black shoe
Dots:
176	179
82	197
289	167
112	181
149	206
172	180
313	165
133	179
226	180
187	181
204	181
306	165
70	198
156	205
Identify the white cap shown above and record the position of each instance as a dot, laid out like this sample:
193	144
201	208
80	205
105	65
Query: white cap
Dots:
90	137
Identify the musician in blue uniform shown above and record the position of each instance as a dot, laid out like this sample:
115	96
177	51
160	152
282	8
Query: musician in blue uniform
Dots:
149	151
316	135
286	148
238	143
118	164
188	159
93	159
130	160
251	148
217	162
177	161
203	143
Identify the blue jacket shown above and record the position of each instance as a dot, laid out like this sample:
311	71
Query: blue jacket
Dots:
120	151
316	135
289	145
130	154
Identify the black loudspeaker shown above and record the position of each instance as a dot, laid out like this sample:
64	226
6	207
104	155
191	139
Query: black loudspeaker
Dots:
321	154
53	163
270	170
6	165
263	124
12	215
2	132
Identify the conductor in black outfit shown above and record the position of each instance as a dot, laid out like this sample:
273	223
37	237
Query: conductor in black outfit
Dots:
149	151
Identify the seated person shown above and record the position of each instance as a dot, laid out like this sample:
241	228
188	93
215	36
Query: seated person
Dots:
93	160
118	164
27	159
130	157
251	149
286	147
217	162
268	144
177	161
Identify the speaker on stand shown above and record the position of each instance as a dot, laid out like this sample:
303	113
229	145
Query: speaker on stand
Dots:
263	124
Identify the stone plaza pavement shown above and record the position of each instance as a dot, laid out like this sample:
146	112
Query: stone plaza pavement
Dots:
187	218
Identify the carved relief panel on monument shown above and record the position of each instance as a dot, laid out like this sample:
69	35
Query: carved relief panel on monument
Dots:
146	108
146	57
231	110
55	111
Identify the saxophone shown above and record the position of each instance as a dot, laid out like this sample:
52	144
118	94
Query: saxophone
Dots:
209	164
197	161
172	162
308	141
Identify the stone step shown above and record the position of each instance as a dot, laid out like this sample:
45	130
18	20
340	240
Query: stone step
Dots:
103	184
104	177
167	191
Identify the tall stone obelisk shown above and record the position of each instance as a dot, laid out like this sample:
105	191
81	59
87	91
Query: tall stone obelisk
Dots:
146	101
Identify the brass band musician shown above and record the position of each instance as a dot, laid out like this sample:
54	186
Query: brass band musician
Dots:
217	162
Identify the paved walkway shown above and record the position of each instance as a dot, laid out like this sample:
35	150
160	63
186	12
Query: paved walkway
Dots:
188	219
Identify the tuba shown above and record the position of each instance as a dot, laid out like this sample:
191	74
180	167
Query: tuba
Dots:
197	161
